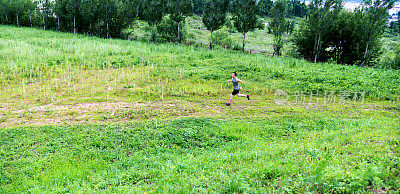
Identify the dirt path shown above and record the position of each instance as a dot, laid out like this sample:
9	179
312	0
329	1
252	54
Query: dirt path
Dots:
74	111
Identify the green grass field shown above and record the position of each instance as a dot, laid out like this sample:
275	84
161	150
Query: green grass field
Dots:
81	114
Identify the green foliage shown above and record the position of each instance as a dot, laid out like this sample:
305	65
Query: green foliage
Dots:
158	147
244	16
17	12
391	61
394	27
167	30
198	6
153	14
265	7
371	24
179	10
214	15
343	39
322	17
223	38
184	154
297	8
259	71
229	24
153	11
278	24
260	23
396	64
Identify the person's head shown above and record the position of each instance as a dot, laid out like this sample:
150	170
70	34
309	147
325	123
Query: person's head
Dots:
234	74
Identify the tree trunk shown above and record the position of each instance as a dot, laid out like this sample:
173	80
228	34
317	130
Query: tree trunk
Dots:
317	49
30	18
129	32
5	11
178	32
107	35
365	54
58	19
43	15
244	37
44	23
277	44
74	25
17	20
90	19
211	41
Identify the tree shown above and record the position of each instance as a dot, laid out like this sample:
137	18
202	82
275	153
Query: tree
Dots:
58	8
342	42
5	7
374	15
198	6
75	11
30	8
265	7
214	15
152	13
130	8
244	16
44	6
296	8
18	7
179	10
91	10
278	24
322	16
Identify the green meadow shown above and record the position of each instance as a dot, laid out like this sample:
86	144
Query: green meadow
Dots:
89	115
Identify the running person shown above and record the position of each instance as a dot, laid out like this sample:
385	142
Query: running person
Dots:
235	81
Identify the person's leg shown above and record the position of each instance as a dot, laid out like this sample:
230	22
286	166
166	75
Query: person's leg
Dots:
243	95
230	100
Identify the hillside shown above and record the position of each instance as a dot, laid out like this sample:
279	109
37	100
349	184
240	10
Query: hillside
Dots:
85	114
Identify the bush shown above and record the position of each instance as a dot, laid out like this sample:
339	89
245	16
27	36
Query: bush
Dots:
229	24
396	64
391	59
223	37
168	31
260	23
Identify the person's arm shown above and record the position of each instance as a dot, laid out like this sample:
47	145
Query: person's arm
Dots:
241	83
229	80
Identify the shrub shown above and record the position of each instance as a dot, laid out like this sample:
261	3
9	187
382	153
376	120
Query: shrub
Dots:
168	30
223	37
396	62
229	24
260	23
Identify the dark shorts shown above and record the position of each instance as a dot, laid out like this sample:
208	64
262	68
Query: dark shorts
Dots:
235	92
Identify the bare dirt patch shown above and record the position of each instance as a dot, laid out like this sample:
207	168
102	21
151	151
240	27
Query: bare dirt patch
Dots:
104	112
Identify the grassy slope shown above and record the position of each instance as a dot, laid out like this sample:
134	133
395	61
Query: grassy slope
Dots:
129	116
256	41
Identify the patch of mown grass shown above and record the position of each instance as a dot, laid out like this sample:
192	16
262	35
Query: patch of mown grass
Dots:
282	153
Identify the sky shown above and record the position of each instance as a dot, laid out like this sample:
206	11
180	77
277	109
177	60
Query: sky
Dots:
352	4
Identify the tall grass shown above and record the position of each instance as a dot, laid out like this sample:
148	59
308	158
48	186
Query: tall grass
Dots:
254	147
33	55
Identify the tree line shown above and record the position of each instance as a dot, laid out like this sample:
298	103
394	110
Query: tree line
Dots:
108	18
331	33
328	33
